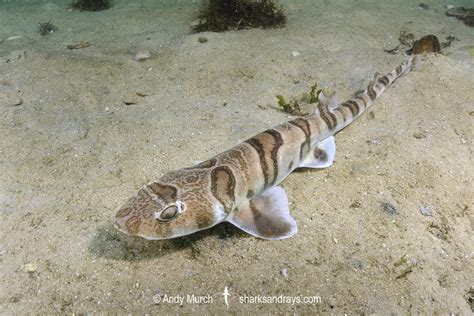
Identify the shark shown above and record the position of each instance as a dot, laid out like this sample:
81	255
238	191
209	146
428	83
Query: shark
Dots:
241	185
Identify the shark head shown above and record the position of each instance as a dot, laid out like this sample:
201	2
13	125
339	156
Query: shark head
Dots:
177	204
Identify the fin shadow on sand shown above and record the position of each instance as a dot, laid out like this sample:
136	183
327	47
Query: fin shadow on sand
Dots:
111	244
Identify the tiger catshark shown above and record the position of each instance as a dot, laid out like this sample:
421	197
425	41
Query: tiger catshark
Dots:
240	185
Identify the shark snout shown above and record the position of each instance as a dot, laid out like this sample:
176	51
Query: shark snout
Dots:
119	224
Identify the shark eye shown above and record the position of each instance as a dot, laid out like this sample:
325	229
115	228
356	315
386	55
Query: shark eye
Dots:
170	212
167	214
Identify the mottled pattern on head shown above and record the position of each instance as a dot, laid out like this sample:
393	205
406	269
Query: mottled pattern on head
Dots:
223	186
187	186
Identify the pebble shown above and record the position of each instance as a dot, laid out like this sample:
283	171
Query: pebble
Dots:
134	98
419	135
16	102
358	264
284	272
29	267
14	37
425	210
389	208
295	53
355	204
130	98
142	55
424	6
144	93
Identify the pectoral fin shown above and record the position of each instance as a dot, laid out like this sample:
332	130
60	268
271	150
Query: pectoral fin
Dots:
322	155
265	216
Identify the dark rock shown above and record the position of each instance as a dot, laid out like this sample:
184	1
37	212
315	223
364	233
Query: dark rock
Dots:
426	44
389	208
424	6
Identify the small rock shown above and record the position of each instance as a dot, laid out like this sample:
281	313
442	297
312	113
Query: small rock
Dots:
419	135
29	267
11	38
16	102
425	210
424	6
144	93
79	45
142	55
202	39
358	264
131	98
295	53
426	44
284	273
389	208
355	204
449	6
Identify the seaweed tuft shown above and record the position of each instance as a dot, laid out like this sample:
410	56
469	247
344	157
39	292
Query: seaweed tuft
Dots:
223	15
92	5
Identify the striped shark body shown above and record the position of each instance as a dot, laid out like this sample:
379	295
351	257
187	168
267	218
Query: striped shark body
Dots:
240	185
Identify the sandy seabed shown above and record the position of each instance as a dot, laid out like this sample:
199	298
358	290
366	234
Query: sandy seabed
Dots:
71	152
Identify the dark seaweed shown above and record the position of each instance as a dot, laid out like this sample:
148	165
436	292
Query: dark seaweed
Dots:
449	40
46	27
223	15
424	6
92	5
469	20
